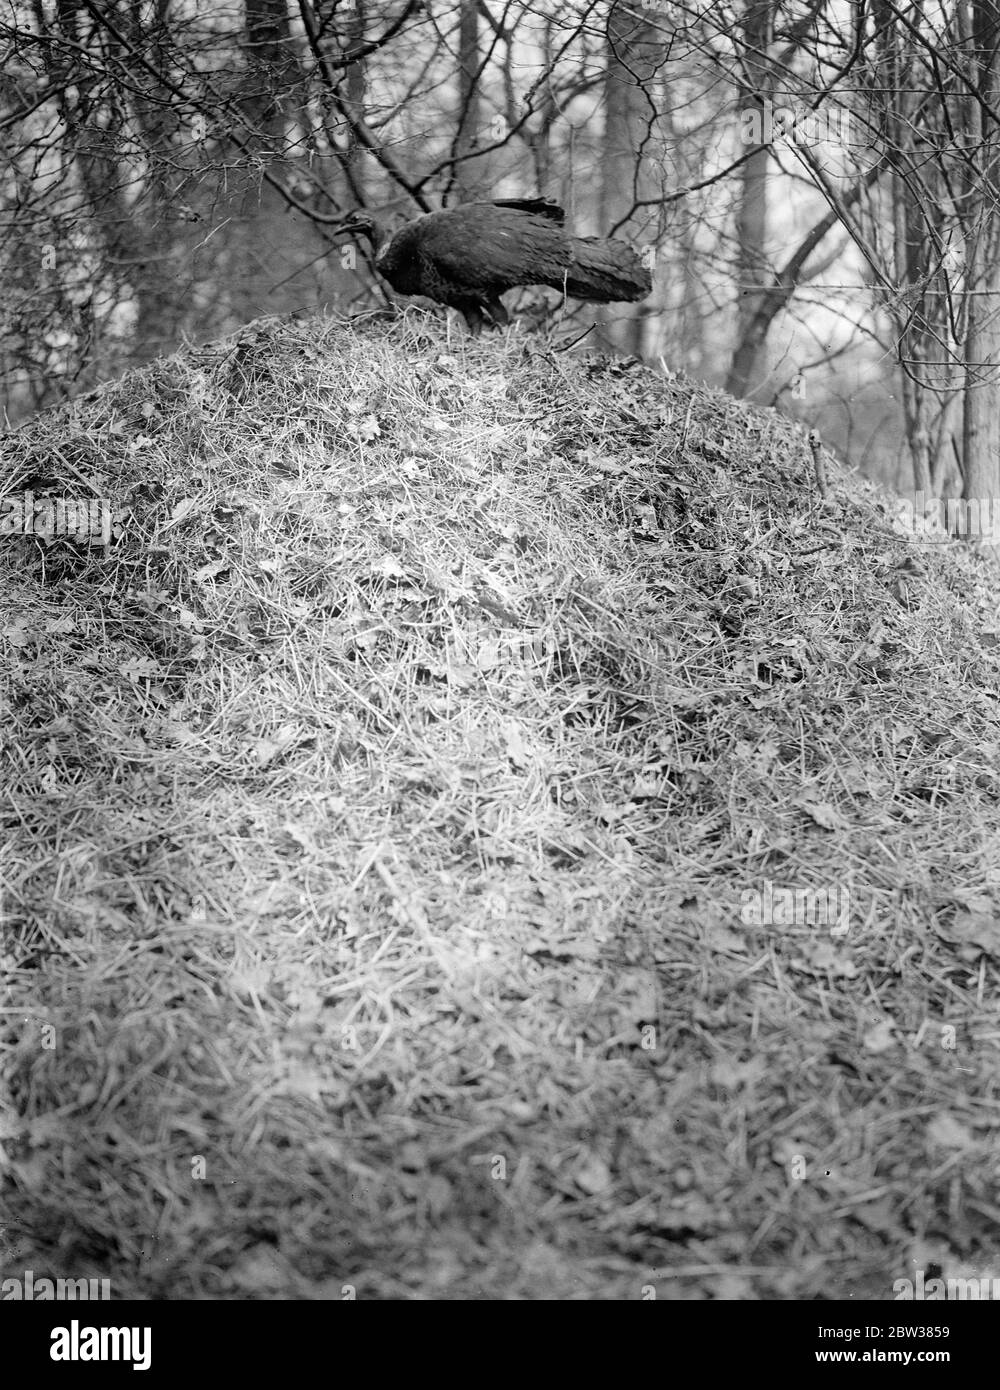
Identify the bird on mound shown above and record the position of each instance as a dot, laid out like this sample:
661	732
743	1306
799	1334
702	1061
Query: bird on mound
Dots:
466	257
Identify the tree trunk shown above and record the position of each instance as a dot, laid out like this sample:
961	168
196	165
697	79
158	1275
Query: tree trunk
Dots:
467	137
981	415
749	365
634	52
357	90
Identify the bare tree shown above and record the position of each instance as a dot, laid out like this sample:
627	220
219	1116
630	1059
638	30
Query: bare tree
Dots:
980	35
469	108
755	93
172	172
634	56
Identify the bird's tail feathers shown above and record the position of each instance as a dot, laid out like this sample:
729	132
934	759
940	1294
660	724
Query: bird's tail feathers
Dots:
604	270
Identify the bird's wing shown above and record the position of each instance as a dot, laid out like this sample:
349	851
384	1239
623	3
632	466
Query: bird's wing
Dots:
493	247
541	207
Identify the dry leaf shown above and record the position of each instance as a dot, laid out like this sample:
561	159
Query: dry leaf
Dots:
945	1132
881	1038
389	568
591	1173
977	928
824	814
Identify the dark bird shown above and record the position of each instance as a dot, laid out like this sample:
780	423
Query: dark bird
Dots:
466	257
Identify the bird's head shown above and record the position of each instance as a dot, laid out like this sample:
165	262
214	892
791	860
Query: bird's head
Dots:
361	224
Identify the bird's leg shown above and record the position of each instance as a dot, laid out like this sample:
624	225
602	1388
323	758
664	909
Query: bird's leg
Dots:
473	316
497	312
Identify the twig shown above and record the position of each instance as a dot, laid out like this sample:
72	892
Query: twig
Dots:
816	445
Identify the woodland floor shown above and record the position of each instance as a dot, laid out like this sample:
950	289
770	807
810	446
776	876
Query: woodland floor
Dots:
383	822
